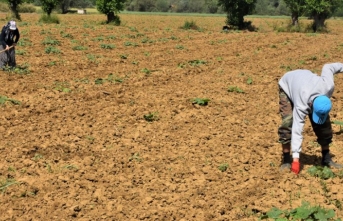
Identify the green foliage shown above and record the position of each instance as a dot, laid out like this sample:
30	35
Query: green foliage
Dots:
4	184
249	81
50	41
4	7
110	78
79	48
223	167
236	10
107	46
190	25
235	89
52	50
48	5
62	87
19	69
49	19
196	62
4	100
152	116
111	8
321	172
20	52
304	212
297	8
26	8
67	35
200	101
128	43
146	71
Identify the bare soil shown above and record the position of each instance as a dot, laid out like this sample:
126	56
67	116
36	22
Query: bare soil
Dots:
80	145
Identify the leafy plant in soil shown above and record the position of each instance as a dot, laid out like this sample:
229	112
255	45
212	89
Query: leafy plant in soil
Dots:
223	167
235	89
152	116
321	172
4	99
200	101
304	212
110	78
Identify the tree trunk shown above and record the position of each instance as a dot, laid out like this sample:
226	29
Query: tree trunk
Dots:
14	9
318	22
295	19
111	17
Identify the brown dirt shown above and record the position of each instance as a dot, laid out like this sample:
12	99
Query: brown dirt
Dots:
89	154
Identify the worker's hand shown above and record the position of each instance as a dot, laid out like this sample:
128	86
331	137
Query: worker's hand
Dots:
7	47
295	167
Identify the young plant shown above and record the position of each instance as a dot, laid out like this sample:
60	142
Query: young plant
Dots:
7	183
50	41
110	78
196	62
52	50
304	212
136	157
79	48
146	71
190	25
223	167
4	100
62	87
107	46
321	172
152	116
249	81
235	89
200	101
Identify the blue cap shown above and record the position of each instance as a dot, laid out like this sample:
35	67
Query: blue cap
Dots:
321	108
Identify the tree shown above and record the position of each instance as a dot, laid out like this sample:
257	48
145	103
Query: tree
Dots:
236	10
110	8
13	4
49	5
320	10
212	6
64	5
297	8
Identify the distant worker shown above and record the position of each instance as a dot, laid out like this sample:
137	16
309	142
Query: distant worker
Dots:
9	38
303	93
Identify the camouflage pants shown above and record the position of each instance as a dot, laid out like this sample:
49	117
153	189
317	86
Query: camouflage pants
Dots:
322	131
7	57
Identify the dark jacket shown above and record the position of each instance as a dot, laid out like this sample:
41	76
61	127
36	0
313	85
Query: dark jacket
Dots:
9	37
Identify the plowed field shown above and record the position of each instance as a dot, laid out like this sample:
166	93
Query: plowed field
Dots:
106	123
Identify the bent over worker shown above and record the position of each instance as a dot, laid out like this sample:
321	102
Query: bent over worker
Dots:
9	37
303	93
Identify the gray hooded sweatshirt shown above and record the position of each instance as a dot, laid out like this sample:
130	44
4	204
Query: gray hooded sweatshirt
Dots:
302	87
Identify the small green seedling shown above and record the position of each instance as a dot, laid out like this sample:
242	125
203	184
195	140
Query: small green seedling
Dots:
152	116
110	78
62	87
4	99
6	183
200	101
235	89
249	81
223	167
136	157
